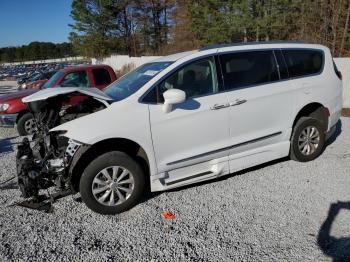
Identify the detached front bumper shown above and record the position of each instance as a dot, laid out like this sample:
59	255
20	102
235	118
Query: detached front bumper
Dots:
8	120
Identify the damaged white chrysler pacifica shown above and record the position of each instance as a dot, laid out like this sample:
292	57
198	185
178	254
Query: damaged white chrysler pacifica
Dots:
181	119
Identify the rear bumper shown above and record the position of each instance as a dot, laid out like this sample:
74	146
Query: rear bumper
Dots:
8	120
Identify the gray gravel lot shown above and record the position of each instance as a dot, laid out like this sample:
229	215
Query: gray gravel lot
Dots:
272	212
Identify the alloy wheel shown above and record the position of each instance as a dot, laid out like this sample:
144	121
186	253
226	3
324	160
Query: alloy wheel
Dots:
308	140
113	185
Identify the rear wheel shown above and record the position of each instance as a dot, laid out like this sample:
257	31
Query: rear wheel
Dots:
26	125
308	139
112	183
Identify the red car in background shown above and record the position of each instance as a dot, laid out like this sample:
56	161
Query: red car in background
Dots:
14	111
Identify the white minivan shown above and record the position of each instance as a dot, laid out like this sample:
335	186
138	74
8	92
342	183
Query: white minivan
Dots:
199	115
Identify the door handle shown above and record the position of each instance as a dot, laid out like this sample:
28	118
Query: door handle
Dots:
238	102
219	106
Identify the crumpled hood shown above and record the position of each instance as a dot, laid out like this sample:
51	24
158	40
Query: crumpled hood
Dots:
52	92
17	95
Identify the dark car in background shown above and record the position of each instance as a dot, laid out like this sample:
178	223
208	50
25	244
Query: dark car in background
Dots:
23	72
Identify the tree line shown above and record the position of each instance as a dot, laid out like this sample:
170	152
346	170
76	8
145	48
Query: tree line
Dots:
134	27
36	51
159	27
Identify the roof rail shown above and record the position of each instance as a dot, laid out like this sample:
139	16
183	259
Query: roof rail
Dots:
251	43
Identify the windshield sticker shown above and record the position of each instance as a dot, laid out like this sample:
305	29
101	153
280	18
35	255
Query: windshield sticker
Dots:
150	72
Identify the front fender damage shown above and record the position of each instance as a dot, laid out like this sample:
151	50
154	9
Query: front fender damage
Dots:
72	176
46	162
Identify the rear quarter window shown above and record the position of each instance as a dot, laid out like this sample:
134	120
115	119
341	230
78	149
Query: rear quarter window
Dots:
303	62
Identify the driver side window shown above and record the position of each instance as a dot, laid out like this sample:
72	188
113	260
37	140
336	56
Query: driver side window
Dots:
195	79
75	79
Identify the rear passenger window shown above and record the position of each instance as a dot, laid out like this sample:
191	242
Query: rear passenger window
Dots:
303	62
101	76
248	68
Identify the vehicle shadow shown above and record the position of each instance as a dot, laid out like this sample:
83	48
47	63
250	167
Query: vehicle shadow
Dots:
336	248
337	132
6	146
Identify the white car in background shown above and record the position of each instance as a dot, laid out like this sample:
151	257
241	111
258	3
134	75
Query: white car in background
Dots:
203	114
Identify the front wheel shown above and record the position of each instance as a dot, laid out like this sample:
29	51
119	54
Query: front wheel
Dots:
112	183
26	125
308	139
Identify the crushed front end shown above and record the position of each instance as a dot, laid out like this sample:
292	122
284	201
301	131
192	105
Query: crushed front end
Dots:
43	162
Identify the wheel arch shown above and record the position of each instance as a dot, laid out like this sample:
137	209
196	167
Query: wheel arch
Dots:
88	153
20	114
315	110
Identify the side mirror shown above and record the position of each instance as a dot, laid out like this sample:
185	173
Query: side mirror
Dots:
172	97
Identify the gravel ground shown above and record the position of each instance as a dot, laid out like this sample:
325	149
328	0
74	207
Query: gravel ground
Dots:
281	211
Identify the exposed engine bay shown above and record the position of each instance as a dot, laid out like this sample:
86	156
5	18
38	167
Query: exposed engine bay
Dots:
43	162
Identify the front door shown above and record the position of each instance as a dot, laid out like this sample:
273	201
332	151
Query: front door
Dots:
190	142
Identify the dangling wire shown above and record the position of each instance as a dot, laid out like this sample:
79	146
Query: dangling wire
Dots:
8	180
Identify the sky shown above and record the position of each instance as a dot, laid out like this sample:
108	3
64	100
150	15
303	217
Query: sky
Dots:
25	21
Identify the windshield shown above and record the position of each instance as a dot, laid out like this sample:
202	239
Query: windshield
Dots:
133	81
52	80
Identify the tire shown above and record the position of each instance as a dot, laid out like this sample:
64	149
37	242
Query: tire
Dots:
88	185
299	142
24	125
